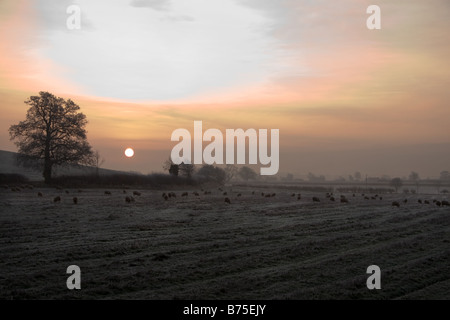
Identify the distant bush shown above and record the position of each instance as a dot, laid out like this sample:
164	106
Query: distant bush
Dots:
12	178
120	180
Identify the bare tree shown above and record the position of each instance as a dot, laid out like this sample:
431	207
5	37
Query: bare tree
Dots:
414	177
98	161
396	183
231	172
53	133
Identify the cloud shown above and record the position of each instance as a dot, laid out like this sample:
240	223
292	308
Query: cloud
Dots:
159	5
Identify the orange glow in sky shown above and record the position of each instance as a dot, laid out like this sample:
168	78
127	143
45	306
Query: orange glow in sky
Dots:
141	69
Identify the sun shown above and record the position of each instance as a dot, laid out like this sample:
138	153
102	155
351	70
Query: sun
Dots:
129	152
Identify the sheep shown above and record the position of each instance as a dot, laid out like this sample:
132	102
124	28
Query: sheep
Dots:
315	199
366	198
274	194
381	198
426	202
332	199
224	193
396	204
40	194
184	194
173	194
57	199
227	200
164	195
344	200
75	200
196	194
438	203
136	193
267	195
239	194
445	203
108	193
299	197
262	194
293	195
127	199
419	201
405	201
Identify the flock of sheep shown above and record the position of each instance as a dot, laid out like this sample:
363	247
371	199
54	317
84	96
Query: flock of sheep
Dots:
170	195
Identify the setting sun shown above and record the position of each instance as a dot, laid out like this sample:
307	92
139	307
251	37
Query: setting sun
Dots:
129	152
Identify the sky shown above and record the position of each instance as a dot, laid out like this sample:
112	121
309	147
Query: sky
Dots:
345	98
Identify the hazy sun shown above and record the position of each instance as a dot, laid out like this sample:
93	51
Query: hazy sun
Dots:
129	152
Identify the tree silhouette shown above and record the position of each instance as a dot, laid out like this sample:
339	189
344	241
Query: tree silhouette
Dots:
396	183
53	133
247	173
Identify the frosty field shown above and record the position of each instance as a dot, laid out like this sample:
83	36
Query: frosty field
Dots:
199	247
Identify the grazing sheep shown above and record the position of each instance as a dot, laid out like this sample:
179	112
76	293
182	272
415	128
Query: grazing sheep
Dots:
344	200
267	195
127	199
57	199
395	204
438	203
381	198
426	202
299	197
332	199
224	193
419	201
108	193
262	194
239	194
166	198
75	200
405	201
293	195
173	194
434	200
220	189
366	198
164	195
354	195
315	199
196	194
374	198
445	203
40	194
274	194
227	200
136	193
184	194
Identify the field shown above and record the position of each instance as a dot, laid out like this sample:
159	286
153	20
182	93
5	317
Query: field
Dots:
199	247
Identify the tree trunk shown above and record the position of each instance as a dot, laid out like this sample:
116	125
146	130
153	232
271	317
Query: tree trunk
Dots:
47	165
47	171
